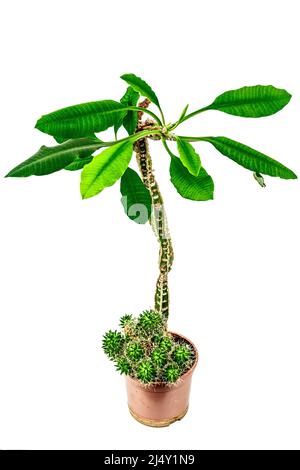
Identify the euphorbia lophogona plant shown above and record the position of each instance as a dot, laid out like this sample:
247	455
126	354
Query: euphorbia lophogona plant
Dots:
145	350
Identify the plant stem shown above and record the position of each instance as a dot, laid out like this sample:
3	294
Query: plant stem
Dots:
158	223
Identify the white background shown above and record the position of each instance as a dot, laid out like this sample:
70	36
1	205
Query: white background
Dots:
70	268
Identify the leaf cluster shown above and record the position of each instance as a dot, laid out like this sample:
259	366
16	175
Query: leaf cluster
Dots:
74	128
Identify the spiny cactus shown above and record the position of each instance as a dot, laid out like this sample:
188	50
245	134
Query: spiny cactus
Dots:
134	351
172	373
146	351
146	371
112	343
123	366
181	354
159	357
125	320
150	321
166	344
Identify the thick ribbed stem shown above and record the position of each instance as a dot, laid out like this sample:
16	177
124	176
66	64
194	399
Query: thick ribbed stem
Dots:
159	225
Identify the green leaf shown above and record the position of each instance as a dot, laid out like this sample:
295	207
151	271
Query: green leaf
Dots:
50	159
141	87
82	120
197	188
136	198
61	140
79	163
130	120
252	101
182	115
188	156
105	169
250	158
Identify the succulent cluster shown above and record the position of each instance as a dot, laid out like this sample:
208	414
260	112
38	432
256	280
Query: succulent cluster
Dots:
144	349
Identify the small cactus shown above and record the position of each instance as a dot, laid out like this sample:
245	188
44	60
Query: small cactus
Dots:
166	344
150	321
172	374
144	349
125	321
112	343
123	366
146	372
159	357
181	354
135	351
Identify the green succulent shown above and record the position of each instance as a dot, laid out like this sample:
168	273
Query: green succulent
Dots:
146	371
150	321
125	320
123	366
134	351
166	344
112	343
181	354
156	339
172	374
145	351
159	357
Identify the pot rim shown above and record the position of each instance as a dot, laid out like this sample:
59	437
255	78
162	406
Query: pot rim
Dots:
163	385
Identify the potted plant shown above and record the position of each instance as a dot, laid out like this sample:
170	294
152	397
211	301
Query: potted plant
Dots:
158	364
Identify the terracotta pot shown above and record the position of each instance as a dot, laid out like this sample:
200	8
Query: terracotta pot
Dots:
160	404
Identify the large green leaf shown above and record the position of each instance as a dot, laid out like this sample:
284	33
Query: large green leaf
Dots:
105	169
188	156
141	87
250	158
252	101
136	198
61	140
50	159
82	120
79	163
129	121
197	188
